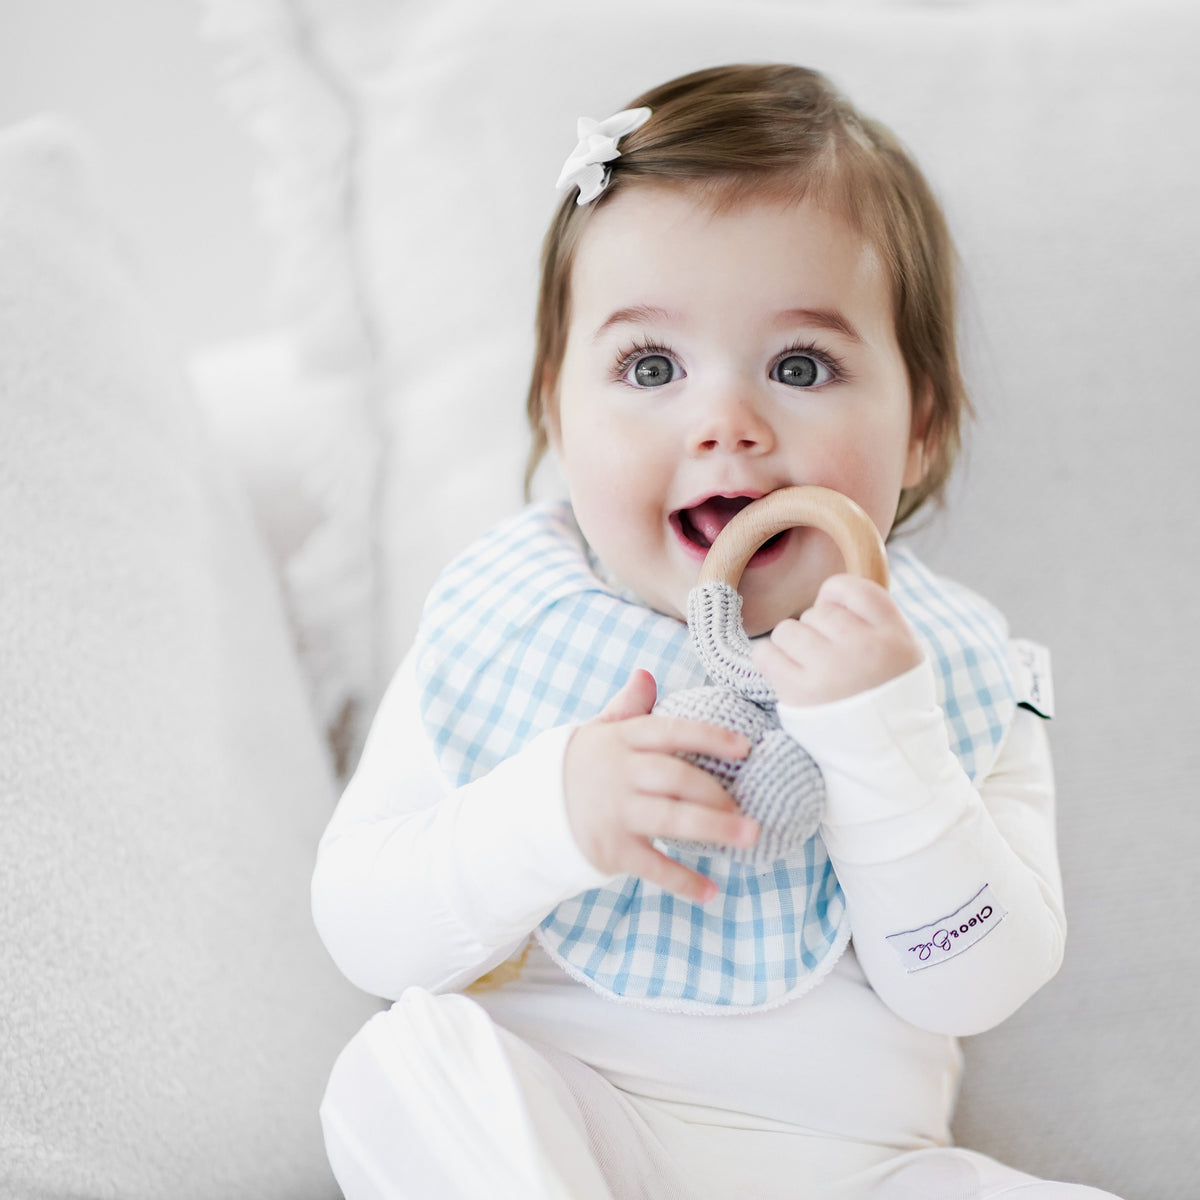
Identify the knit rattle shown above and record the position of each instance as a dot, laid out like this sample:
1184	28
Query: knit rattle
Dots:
777	783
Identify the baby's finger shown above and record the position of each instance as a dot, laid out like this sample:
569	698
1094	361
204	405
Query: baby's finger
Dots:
635	699
834	620
800	641
679	821
863	597
667	775
681	735
771	661
647	863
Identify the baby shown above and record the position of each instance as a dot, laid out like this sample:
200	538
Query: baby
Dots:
748	286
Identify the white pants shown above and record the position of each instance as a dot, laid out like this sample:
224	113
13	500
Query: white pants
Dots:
432	1100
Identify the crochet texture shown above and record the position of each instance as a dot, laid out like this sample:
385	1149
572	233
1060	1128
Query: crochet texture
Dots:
777	783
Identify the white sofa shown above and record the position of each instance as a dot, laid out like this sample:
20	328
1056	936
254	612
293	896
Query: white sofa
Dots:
184	673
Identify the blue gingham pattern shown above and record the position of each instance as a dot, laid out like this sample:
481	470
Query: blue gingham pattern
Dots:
966	639
520	634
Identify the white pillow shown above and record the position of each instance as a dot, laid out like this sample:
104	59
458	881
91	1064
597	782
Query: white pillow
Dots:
167	1015
410	152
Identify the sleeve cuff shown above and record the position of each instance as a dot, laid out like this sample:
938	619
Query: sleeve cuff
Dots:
893	785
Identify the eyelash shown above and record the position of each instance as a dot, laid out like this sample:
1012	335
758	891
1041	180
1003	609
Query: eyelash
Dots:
641	348
831	362
629	354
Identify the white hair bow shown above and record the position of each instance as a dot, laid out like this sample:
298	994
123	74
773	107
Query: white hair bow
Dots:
597	147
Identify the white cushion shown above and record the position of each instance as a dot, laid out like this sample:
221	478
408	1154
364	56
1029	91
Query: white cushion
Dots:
167	1015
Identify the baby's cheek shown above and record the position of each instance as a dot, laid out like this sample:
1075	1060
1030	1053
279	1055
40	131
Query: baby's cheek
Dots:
870	472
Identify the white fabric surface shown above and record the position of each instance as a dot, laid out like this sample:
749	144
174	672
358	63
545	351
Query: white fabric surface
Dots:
442	1103
167	1015
434	1099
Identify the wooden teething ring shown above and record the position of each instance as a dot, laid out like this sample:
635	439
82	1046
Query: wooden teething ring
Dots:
853	533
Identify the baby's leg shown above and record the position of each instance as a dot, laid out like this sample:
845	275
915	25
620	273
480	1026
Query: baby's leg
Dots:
956	1174
432	1098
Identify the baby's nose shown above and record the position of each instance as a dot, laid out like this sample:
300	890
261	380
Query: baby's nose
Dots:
733	422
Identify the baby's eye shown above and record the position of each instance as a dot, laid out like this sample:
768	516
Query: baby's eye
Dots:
652	370
802	370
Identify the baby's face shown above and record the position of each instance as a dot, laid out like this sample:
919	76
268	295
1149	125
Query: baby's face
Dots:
711	359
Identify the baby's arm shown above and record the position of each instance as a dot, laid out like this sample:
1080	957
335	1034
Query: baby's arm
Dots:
953	892
417	882
420	883
920	852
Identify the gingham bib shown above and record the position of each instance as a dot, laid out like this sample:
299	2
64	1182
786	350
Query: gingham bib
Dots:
521	634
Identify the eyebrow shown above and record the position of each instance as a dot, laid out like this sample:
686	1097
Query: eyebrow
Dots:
822	318
635	314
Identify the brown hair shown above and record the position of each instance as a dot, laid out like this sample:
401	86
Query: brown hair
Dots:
777	131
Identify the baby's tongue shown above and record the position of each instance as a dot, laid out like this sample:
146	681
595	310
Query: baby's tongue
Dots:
714	514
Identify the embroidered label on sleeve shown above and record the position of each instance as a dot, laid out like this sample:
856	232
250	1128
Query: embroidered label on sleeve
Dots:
951	935
1031	676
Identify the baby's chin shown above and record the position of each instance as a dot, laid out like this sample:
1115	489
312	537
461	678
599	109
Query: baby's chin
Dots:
764	602
760	613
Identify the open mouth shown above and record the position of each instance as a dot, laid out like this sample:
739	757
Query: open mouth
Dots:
699	526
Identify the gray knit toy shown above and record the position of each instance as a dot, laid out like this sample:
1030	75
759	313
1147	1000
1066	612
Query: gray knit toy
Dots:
777	783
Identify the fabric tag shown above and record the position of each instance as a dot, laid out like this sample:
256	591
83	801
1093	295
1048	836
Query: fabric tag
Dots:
951	935
1031	676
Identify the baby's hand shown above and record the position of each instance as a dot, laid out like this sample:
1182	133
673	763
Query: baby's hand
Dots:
852	639
625	784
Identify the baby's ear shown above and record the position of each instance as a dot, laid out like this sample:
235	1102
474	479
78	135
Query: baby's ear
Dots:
922	443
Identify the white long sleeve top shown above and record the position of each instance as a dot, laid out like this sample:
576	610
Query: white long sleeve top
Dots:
420	883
